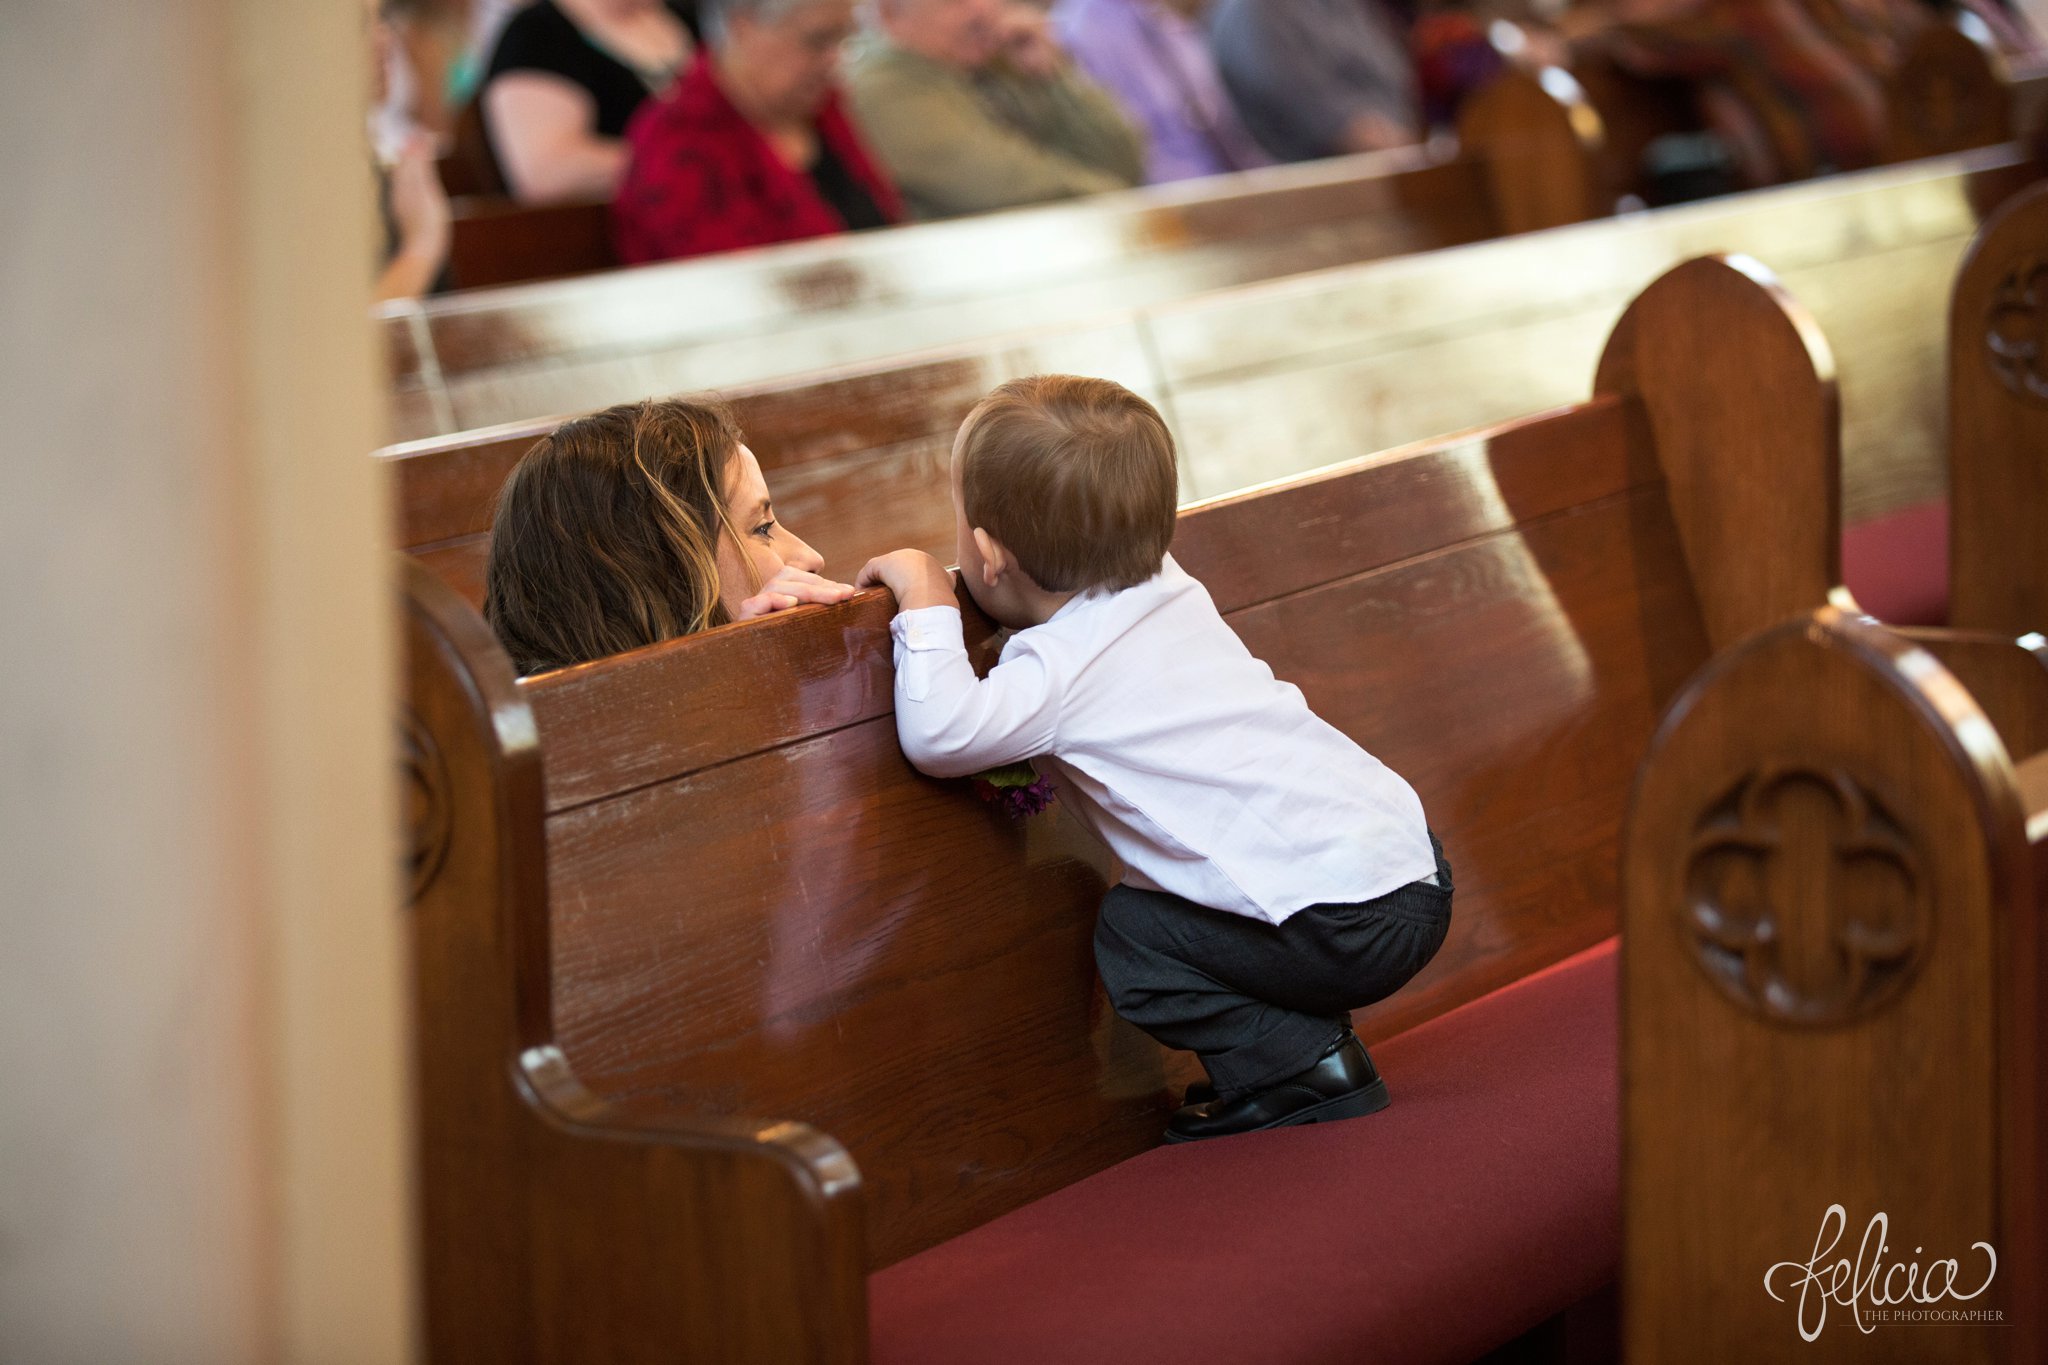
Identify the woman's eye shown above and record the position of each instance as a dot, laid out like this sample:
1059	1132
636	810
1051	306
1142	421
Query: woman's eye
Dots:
765	529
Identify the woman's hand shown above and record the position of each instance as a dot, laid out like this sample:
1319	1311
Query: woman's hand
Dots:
419	205
915	577
1029	44
791	587
419	210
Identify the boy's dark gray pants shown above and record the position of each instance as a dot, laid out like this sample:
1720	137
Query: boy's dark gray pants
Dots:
1260	1002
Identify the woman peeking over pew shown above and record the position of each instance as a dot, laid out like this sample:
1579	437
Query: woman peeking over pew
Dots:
751	147
635	525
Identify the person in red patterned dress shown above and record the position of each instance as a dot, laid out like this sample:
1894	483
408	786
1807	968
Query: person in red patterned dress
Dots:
751	145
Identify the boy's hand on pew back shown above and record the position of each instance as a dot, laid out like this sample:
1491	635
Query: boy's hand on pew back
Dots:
791	587
917	579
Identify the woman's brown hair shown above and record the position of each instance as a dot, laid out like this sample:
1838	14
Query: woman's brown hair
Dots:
607	533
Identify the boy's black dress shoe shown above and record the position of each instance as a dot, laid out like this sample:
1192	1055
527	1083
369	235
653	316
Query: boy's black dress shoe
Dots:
1344	1084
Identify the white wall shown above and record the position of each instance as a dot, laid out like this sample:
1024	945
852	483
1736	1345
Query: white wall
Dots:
201	1083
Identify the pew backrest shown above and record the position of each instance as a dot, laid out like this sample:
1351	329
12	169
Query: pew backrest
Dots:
495	241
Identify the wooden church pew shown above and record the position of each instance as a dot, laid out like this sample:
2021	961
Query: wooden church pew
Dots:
494	241
1975	556
1834	1002
479	358
1271	380
682	913
1954	90
1998	423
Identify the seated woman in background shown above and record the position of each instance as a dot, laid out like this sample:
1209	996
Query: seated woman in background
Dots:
563	81
751	146
1154	57
973	107
1317	78
635	525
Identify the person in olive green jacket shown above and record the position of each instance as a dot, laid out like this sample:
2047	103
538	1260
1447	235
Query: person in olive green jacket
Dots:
971	106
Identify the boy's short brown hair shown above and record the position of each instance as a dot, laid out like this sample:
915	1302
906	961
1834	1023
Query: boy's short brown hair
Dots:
1075	477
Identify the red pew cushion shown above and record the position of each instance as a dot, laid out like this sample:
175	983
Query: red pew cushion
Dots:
1897	565
1483	1201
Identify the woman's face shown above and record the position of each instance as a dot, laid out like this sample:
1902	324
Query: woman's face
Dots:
792	61
765	546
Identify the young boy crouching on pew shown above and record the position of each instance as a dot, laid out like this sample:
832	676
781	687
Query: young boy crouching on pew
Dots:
1277	876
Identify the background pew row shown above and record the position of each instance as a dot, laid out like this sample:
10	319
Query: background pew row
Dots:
1267	381
1512	142
1954	90
459	361
659	893
1950	93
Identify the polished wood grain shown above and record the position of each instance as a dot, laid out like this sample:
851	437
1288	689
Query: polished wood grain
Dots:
1832	994
558	1223
1998	419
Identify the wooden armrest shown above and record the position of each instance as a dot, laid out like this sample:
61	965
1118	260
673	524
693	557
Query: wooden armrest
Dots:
559	1224
2008	678
658	1235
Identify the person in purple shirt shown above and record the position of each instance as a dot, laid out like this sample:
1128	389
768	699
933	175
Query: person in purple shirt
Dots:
1154	57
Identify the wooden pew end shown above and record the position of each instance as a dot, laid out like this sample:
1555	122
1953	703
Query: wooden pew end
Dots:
1824	869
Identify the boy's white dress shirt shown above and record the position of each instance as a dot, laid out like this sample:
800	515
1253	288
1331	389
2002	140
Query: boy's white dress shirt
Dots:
1207	776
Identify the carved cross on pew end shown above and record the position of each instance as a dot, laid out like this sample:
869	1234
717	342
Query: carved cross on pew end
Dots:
1805	901
2016	334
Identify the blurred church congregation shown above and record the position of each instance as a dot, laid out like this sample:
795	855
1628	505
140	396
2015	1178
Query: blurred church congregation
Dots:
1024	682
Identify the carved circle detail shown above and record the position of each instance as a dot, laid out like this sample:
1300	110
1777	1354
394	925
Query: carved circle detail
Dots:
1806	901
429	813
2016	332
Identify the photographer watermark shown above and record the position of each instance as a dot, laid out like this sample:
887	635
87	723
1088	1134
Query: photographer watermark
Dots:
1873	1290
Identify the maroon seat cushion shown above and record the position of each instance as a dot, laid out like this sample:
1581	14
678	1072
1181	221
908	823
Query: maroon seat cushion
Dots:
1897	565
1484	1200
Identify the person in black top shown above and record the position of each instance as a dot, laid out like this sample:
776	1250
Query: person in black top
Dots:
564	79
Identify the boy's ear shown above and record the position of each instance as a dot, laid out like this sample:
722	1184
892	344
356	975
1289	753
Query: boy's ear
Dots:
995	560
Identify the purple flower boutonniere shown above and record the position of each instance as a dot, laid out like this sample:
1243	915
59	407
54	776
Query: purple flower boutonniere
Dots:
1017	788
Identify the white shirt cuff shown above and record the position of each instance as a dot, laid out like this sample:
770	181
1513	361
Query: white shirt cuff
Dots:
930	628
